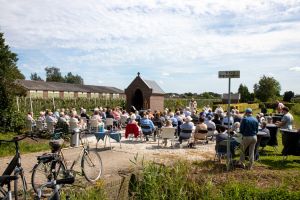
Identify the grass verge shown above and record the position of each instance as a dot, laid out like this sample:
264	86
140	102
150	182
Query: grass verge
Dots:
26	146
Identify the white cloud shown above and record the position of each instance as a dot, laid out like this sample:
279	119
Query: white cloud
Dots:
169	37
296	69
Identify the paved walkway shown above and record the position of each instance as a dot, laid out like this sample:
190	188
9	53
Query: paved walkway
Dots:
119	158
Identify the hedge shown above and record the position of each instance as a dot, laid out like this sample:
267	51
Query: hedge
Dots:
241	106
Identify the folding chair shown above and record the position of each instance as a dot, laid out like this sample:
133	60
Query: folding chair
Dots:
201	135
221	150
146	133
187	132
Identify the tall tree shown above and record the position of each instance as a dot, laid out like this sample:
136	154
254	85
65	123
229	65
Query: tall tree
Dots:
70	78
268	88
9	72
53	74
244	92
35	77
288	95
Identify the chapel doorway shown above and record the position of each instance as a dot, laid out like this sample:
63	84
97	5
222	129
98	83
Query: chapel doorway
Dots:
138	100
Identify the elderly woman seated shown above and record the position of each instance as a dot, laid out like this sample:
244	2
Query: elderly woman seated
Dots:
186	129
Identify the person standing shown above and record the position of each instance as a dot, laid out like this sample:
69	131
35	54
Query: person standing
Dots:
193	105
279	107
249	129
287	119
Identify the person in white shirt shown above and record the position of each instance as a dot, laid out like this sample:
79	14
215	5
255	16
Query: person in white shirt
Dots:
210	124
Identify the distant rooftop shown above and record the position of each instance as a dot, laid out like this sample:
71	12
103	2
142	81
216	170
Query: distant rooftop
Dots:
57	86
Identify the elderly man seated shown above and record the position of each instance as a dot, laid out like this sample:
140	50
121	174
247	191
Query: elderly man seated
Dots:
186	129
147	126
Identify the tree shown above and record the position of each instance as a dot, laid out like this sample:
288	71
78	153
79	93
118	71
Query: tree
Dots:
244	92
9	72
70	78
267	88
53	74
35	77
288	95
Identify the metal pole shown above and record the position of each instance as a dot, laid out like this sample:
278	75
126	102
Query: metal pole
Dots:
31	109
53	102
228	127
18	106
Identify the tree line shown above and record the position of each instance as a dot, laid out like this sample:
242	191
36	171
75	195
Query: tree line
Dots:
53	74
267	89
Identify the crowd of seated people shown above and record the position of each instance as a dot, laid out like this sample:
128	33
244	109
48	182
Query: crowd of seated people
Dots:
187	123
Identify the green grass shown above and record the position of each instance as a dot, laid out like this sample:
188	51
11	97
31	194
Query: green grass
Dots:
26	146
297	121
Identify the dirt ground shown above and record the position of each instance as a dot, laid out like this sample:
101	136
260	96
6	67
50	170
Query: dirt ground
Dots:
119	158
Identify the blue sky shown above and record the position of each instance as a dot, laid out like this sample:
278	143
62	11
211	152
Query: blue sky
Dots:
180	44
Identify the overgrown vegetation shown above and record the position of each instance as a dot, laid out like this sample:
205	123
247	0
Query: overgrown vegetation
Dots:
207	180
82	193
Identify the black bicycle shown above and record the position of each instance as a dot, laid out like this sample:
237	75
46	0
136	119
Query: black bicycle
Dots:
52	166
6	180
14	168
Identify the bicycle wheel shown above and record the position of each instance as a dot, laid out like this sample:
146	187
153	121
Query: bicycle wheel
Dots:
41	174
20	182
91	165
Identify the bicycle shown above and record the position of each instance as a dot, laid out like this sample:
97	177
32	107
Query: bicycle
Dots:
15	168
52	166
56	186
6	179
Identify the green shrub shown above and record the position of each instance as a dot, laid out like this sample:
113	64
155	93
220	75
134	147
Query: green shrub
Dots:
296	109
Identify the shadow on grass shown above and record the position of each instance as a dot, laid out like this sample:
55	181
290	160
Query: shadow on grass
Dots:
278	162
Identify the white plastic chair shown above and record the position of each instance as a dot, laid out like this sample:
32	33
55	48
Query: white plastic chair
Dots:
72	125
109	122
123	121
93	125
29	125
40	125
50	127
168	133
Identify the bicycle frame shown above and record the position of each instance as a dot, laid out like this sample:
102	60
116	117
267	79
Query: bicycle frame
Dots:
14	167
82	152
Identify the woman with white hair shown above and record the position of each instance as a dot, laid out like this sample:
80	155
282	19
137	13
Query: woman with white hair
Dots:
186	129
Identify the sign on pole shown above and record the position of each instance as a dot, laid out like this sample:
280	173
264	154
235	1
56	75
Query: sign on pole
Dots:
229	75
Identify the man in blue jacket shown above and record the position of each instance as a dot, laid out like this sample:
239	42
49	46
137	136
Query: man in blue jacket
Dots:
249	129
